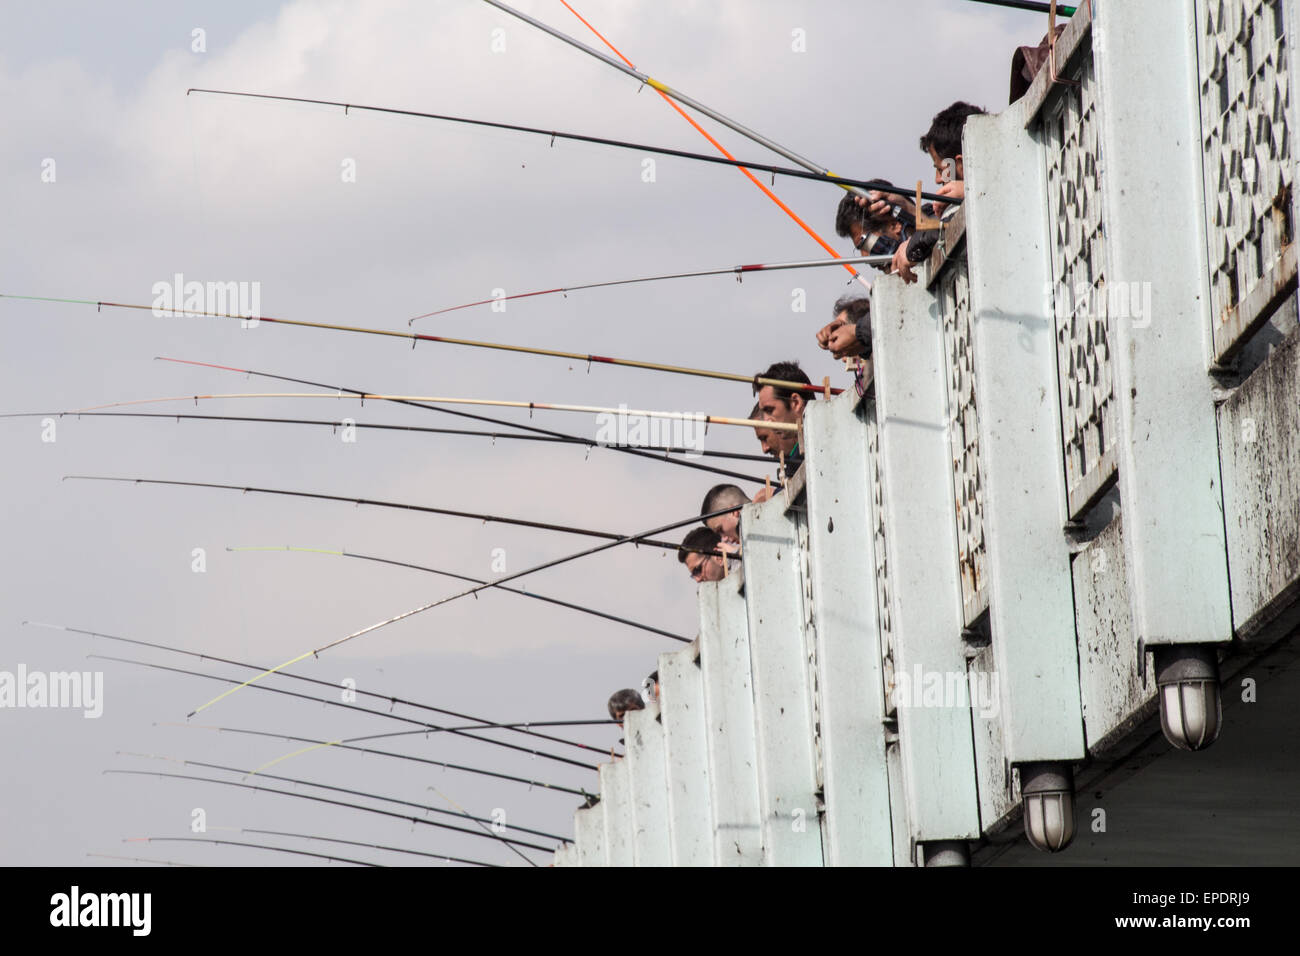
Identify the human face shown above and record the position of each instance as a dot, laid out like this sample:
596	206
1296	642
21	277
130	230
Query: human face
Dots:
945	170
727	526
787	411
704	567
764	437
878	240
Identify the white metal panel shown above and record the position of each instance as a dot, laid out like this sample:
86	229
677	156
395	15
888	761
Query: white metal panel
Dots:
1259	433
1031	599
1169	463
615	800
787	774
841	533
589	835
992	768
729	708
912	414
1115	682
681	704
566	855
898	805
644	737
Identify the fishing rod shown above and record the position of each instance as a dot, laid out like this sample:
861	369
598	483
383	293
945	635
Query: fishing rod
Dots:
471	343
423	732
826	177
424	509
348	423
685	100
381	753
392	700
330	743
462	577
373	846
1031	5
421	337
338	803
404	399
254	846
138	859
555	562
365	710
483	826
349	791
738	270
809	230
589	442
698	418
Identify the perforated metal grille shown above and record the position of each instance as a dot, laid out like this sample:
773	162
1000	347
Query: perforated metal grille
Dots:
810	648
1088	414
1247	130
883	615
963	425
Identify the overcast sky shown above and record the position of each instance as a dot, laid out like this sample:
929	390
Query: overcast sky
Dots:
148	183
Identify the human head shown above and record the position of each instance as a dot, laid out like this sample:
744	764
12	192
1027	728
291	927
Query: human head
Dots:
764	435
943	140
702	566
851	308
728	525
871	236
777	404
621	701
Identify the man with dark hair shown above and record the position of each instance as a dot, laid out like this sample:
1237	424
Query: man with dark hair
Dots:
776	404
621	701
942	141
726	525
696	553
877	225
849	332
763	435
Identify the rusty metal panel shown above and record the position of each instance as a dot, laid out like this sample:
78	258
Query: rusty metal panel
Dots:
729	708
843	606
937	754
1259	441
1116	682
1168	449
782	697
903	855
992	766
644	737
880	554
589	836
1070	125
1248	137
681	708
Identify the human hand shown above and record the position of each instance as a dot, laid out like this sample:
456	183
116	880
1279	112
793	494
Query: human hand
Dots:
824	336
843	342
901	266
955	188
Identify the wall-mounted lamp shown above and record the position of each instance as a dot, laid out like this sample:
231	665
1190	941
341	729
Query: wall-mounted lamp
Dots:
1191	710
1047	792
